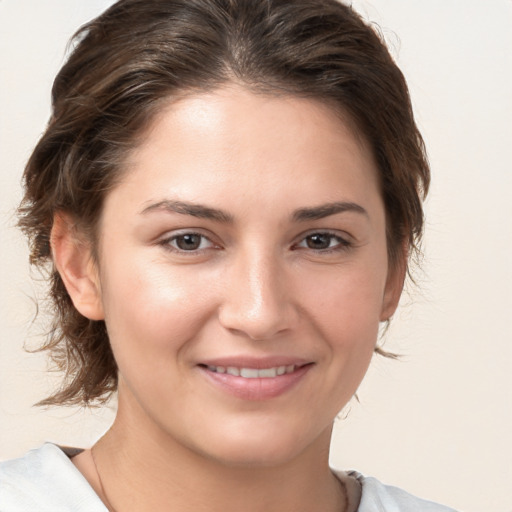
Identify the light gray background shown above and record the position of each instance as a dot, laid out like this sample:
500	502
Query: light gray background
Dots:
439	422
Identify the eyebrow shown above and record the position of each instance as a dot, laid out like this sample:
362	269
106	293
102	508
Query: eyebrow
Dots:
193	209
207	212
325	210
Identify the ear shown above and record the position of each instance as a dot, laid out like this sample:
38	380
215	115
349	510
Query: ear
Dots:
72	256
394	284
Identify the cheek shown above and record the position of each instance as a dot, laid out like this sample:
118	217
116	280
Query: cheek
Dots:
348	300
152	310
345	310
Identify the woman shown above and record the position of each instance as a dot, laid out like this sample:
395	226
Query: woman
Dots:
228	192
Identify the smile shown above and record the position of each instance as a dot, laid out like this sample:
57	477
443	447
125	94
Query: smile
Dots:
254	373
255	380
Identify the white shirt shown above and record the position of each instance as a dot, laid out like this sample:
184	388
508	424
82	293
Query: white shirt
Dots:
45	480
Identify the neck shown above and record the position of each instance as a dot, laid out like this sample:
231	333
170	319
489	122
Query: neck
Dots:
152	472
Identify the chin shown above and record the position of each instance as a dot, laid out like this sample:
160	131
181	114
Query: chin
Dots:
249	455
264	446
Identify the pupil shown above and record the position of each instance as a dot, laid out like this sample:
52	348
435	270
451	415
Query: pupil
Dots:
319	241
188	242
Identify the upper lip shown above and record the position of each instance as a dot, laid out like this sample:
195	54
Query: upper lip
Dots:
258	363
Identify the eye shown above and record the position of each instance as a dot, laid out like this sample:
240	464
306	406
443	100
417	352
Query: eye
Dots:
323	241
188	242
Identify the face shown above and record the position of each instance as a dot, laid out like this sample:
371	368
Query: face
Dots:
243	274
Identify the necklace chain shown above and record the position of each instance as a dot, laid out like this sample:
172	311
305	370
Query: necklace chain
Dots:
102	488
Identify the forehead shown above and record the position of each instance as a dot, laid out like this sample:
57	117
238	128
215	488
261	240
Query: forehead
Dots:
251	144
237	103
231	113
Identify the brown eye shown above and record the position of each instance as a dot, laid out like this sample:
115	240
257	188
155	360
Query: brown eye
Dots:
188	242
324	241
319	241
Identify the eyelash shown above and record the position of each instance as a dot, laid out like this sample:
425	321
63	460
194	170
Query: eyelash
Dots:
167	243
342	244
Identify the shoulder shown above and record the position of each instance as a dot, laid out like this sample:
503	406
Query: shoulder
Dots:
45	480
375	496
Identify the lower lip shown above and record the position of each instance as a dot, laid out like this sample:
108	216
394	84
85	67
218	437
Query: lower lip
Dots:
259	388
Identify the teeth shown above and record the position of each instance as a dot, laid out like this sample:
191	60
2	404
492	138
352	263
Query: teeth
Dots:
253	373
268	372
249	373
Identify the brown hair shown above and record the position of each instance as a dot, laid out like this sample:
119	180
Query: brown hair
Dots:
140	53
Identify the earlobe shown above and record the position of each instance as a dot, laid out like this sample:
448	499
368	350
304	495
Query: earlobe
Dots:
394	286
72	257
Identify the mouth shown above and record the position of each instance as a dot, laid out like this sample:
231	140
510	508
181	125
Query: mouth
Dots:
254	373
256	381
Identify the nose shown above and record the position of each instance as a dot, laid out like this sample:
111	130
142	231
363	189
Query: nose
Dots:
258	302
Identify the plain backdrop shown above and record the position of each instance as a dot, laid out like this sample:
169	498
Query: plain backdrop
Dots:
439	421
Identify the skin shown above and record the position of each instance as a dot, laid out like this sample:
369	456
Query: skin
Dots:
258	280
